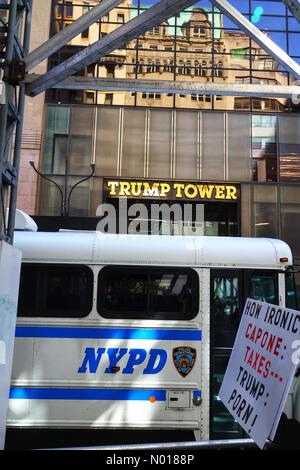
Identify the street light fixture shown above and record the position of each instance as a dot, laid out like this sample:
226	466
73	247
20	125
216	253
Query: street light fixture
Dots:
65	204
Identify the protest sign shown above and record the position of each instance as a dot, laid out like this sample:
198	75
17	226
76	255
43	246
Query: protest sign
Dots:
10	265
261	368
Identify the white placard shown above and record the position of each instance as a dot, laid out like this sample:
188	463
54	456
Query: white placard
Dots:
10	264
261	368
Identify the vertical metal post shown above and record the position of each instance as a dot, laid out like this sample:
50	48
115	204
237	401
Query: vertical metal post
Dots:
8	59
4	112
16	163
19	131
15	99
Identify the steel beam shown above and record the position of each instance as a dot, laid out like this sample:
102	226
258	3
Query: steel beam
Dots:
260	38
19	130
294	7
67	34
178	87
150	18
12	110
166	447
9	55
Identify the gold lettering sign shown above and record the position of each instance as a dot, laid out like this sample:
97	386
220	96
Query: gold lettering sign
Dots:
172	190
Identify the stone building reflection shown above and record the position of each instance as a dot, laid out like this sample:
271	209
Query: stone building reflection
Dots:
194	47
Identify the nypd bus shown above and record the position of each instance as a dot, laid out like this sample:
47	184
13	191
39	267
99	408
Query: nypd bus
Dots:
134	332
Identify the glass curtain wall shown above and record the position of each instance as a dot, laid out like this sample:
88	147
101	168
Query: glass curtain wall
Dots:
199	45
176	144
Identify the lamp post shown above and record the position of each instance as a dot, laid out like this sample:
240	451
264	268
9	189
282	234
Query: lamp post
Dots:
65	202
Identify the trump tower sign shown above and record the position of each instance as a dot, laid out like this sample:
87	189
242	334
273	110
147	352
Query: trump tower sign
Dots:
261	368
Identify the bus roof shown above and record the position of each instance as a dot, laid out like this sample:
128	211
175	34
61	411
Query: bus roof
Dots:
96	248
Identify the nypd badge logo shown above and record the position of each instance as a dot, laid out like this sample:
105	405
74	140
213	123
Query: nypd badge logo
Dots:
184	359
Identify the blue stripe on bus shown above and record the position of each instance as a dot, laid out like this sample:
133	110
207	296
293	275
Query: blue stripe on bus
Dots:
106	333
26	393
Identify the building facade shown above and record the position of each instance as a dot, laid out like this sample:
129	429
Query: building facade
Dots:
237	156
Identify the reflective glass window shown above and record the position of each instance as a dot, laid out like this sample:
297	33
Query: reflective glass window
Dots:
225	309
264	148
148	293
171	292
290	217
263	287
289	140
57	291
201	43
265	211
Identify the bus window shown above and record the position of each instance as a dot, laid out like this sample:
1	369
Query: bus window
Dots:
290	287
57	291
125	292
147	293
170	292
225	309
263	287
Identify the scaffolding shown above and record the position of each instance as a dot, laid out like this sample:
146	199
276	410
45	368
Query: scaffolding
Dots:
294	7
16	82
15	20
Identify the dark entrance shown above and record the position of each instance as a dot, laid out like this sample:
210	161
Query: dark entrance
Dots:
228	290
220	219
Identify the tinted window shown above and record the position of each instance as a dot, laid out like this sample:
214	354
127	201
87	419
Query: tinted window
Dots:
225	309
55	291
123	292
290	287
263	287
148	293
170	292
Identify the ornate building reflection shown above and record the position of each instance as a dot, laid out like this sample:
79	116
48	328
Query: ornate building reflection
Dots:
193	47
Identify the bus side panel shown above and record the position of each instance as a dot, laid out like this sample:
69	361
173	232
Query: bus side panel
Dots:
106	377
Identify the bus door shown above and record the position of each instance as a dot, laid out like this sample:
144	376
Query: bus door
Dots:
229	290
225	311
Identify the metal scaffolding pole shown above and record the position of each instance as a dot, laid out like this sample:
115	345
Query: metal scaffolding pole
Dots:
12	108
259	37
168	86
19	132
4	124
150	18
294	7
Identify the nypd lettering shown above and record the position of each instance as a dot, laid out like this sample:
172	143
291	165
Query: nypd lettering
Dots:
153	361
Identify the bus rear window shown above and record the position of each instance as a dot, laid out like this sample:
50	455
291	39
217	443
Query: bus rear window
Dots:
263	287
148	293
57	291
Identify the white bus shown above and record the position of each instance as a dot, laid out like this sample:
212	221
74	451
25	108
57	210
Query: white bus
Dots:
134	332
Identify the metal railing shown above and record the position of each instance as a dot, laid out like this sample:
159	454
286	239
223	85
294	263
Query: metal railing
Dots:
228	444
